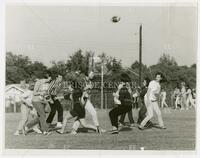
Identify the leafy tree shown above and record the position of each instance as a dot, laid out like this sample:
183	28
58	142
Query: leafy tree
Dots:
15	74
17	60
19	67
16	68
58	68
111	63
135	67
36	70
166	59
193	66
76	62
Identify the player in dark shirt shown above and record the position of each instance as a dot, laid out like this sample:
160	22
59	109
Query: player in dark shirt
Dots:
124	92
78	112
143	109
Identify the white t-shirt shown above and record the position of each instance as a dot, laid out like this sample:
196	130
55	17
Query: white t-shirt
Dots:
154	87
163	94
84	96
27	97
189	92
116	98
183	90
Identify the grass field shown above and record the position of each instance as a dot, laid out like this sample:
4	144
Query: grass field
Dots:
179	135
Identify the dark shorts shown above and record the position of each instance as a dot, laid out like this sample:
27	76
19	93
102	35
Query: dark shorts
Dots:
78	111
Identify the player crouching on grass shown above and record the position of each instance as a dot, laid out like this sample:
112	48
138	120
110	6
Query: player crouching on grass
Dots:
89	107
87	104
27	110
78	112
124	104
151	102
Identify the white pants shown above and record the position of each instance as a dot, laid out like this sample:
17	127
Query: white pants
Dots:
177	101
91	110
189	101
25	112
82	122
184	101
24	116
152	107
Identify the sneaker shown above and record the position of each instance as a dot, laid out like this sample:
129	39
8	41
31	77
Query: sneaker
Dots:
25	130
103	130
59	125
37	130
73	132
149	124
120	124
47	133
17	133
59	131
141	127
162	127
133	125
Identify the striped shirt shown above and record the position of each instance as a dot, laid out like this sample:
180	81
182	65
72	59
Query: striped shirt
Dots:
54	87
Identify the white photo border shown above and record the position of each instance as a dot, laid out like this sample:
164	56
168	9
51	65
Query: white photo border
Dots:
90	153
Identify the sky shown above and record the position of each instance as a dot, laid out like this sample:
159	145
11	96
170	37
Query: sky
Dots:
47	33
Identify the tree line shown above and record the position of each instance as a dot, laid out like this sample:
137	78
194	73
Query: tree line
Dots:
20	67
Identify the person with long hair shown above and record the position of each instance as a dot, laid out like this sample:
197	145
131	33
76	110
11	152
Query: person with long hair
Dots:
125	105
77	112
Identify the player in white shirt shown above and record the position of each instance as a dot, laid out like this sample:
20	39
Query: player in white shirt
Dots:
177	93
163	96
26	110
183	96
190	101
151	102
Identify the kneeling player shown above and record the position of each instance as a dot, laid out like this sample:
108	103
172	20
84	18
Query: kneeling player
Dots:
77	112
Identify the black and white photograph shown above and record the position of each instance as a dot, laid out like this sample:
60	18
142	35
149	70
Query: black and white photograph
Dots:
101	77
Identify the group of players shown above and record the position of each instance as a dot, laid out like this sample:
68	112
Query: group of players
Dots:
41	102
184	97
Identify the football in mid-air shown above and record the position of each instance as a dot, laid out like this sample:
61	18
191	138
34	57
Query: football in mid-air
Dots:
115	19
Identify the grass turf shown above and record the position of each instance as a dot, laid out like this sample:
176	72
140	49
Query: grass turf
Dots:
179	135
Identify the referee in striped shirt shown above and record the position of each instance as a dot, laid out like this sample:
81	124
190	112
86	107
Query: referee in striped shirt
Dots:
54	89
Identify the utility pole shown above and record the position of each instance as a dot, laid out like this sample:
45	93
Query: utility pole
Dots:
140	55
102	85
